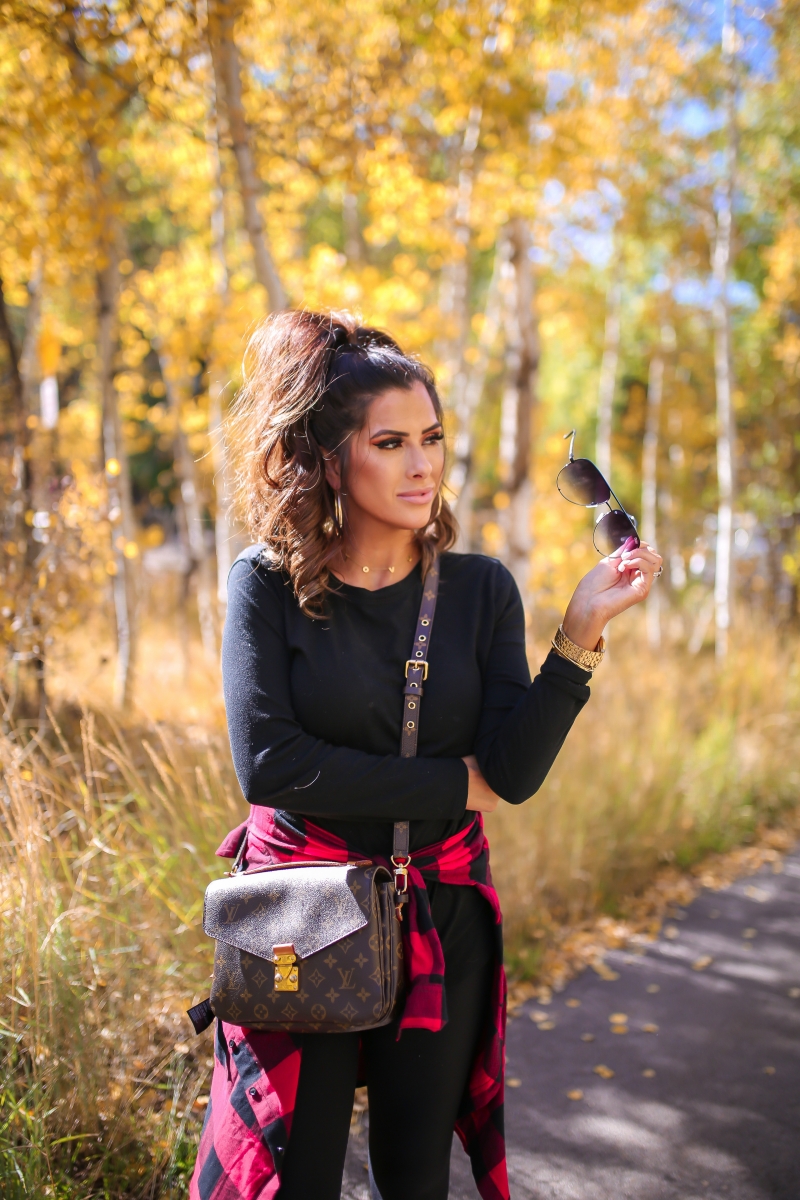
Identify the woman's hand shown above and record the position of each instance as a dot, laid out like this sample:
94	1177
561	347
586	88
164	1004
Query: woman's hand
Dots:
480	797
616	583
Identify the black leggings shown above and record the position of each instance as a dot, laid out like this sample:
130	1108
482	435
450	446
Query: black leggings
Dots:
415	1090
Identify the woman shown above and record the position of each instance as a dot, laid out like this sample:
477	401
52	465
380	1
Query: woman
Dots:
342	481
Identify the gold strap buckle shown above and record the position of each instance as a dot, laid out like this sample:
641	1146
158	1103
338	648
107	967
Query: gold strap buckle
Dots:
421	663
286	971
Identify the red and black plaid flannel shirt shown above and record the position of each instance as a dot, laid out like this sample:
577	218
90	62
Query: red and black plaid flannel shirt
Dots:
254	1085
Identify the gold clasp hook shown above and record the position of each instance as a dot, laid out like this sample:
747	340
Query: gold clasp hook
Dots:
400	883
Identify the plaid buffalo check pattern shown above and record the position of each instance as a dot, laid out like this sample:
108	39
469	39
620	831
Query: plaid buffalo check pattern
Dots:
254	1084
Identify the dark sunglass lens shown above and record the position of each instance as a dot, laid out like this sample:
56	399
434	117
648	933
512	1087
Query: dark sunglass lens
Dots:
581	483
612	532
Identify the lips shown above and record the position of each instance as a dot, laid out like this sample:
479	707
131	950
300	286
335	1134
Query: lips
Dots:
422	497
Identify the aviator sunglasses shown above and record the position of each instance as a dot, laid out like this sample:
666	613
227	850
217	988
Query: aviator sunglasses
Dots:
580	482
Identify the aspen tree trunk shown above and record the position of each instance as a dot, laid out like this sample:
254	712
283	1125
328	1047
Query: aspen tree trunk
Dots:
38	466
227	73
461	478
454	293
226	532
21	564
190	500
519	407
118	483
10	343
726	427
655	390
608	375
227	537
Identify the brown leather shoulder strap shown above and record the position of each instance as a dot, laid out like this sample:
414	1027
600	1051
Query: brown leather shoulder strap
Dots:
416	674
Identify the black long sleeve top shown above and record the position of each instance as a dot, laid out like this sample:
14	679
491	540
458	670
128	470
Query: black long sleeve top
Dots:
315	706
315	712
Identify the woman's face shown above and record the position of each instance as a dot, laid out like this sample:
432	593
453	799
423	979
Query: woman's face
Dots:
395	461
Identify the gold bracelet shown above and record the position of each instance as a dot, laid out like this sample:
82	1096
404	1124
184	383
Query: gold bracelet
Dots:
588	659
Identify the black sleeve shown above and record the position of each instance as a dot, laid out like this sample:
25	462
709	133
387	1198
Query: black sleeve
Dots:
523	724
278	763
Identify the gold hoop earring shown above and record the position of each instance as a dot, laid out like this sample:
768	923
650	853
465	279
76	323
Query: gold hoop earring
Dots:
338	514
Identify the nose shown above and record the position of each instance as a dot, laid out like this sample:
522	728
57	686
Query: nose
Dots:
417	464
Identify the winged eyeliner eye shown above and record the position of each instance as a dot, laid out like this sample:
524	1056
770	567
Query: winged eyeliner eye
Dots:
391	443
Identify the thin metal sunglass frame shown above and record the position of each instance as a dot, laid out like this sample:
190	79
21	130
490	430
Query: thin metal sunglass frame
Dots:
620	507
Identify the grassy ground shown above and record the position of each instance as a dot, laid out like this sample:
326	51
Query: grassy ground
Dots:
107	837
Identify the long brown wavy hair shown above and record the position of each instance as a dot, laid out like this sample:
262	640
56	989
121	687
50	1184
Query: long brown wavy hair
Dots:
309	379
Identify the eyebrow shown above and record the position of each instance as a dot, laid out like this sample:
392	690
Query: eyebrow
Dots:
402	433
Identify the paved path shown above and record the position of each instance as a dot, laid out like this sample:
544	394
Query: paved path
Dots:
707	1106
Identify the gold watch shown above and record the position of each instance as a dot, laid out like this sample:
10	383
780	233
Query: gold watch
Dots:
588	659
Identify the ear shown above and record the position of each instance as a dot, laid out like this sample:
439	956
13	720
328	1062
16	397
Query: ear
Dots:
333	471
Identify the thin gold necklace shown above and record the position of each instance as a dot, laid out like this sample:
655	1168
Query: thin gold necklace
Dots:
367	570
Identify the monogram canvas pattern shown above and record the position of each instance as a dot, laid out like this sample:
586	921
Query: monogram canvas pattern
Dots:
349	984
254	1084
310	906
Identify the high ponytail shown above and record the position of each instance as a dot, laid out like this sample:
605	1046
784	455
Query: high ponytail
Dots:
308	381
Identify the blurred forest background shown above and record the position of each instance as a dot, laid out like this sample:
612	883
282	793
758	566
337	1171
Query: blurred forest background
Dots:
582	215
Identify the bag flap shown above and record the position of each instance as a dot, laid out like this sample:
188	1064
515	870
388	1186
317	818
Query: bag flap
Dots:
309	906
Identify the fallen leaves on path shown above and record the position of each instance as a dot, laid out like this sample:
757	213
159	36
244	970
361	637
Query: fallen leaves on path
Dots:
603	1071
701	963
575	1094
572	948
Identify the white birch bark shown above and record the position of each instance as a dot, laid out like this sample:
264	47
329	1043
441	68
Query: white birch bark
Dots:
655	390
118	484
726	428
454	304
27	665
227	535
608	375
228	540
460	480
228	80
186	470
519	402
125	583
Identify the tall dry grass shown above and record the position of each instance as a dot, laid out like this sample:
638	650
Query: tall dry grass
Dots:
673	758
107	837
107	842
